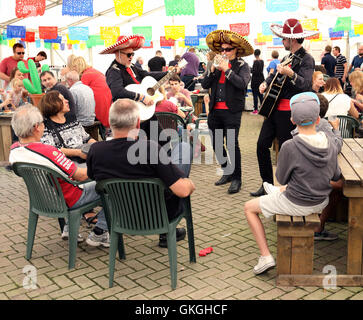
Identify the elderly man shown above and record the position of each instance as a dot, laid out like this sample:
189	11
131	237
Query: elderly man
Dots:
357	62
27	123
127	157
83	98
8	64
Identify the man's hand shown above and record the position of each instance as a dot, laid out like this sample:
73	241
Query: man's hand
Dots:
148	101
262	87
223	65
285	70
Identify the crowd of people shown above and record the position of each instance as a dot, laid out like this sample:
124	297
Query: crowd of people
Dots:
307	166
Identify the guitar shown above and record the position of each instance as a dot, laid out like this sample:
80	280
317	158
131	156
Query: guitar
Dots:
273	92
149	86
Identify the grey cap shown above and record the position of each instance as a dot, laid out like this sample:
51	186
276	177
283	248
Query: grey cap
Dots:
305	108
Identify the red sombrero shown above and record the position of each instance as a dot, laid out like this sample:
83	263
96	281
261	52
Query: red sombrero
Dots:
292	29
135	42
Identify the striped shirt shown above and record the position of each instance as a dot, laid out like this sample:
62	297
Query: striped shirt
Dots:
339	68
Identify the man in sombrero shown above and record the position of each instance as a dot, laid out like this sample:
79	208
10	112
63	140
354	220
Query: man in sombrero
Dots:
228	83
123	72
298	79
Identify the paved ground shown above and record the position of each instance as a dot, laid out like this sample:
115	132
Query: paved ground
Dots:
218	222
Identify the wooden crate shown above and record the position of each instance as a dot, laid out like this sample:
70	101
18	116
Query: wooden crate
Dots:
295	244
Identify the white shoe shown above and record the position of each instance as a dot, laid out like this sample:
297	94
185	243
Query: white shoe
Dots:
65	234
270	188
264	264
95	240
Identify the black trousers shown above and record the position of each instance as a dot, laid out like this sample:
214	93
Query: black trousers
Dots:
224	129
279	126
256	95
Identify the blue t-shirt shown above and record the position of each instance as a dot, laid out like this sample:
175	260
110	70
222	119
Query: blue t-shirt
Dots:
357	61
273	64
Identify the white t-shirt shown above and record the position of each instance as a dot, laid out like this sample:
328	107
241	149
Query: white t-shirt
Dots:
339	106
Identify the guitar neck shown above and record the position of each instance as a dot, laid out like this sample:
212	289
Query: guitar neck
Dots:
163	80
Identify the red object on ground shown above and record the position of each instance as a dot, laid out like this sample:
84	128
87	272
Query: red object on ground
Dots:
196	91
204	252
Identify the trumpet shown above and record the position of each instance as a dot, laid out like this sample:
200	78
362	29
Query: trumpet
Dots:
218	59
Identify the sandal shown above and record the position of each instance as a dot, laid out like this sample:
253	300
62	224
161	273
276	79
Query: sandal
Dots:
204	252
90	217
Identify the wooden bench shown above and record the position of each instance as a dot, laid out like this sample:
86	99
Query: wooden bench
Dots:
295	246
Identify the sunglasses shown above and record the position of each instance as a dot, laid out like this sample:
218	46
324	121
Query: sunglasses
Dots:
227	49
129	55
19	53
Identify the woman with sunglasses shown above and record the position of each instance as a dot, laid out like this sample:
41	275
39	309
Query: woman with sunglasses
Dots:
228	83
8	64
122	72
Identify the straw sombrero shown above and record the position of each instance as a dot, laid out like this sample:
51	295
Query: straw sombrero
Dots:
292	29
216	38
123	42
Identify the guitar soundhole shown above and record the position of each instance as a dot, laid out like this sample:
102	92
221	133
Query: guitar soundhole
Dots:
150	91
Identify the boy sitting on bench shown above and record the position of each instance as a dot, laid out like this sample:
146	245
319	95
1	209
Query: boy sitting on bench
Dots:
306	165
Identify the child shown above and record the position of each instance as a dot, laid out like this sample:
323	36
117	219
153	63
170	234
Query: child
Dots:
16	94
306	165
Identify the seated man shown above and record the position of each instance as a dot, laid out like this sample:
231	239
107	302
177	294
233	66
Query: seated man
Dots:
306	165
28	125
127	156
178	93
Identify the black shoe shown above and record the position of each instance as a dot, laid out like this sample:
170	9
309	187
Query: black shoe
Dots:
235	186
260	192
223	180
180	235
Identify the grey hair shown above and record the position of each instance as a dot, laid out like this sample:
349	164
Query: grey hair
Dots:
72	75
24	119
124	114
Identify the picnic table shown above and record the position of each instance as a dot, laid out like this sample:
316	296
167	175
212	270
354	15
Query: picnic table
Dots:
5	135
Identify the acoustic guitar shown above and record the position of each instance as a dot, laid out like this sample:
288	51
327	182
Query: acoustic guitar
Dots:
273	92
149	86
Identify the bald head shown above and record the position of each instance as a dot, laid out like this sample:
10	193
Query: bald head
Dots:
124	115
360	50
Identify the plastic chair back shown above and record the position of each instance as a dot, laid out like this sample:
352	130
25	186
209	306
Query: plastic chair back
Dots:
347	126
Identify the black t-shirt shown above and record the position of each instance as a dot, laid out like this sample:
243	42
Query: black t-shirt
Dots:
156	63
121	158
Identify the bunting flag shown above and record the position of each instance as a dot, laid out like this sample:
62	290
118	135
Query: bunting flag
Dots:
75	46
22	43
108	33
69	46
166	43
179	7
48	32
343	23
129	7
83	45
205	29
148	44
191	41
229	6
147	32
262	38
174	32
29	8
181	44
11	42
47	45
78	33
241	28
69	41
56	40
202	44
62	46
335	35
266	27
282	5
352	34
333	4
37	43
94	40
56	46
259	43
317	37
358	29
29	37
309	24
15	32
77	8
277	41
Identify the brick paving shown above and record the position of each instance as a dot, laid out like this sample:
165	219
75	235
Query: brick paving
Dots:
218	222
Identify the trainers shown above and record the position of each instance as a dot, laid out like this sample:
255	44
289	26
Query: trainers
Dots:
270	188
325	235
65	234
180	235
264	264
95	240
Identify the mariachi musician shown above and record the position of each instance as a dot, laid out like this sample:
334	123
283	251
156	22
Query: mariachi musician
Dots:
297	78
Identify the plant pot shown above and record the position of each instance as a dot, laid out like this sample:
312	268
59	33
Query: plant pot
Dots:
36	99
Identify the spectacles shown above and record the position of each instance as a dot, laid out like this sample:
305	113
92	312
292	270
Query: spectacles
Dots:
19	53
227	49
129	55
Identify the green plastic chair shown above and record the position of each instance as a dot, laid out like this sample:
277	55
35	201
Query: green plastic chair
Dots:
46	199
199	131
170	120
347	126
137	207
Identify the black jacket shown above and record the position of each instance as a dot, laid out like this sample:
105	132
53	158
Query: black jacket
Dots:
118	78
236	85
